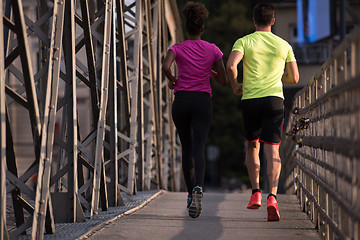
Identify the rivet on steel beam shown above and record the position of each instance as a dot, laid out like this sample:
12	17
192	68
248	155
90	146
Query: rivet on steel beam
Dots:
55	58
41	213
323	234
320	87
56	49
341	68
46	159
308	203
322	223
51	106
60	2
309	212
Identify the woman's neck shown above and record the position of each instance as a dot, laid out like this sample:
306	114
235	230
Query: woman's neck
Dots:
194	37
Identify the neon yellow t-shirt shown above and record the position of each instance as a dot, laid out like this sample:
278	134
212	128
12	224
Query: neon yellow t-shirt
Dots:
265	55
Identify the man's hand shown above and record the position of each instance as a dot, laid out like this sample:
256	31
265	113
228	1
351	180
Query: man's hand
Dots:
237	88
291	74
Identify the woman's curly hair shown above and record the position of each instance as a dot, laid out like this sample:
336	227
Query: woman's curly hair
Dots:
195	14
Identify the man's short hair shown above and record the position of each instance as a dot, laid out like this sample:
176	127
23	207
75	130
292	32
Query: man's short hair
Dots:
263	14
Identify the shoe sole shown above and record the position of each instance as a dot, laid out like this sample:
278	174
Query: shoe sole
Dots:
195	207
273	214
254	206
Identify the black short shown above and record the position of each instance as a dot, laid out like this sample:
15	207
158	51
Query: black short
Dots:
263	119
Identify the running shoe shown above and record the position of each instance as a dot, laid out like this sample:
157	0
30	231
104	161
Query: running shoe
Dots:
255	201
195	206
272	209
189	200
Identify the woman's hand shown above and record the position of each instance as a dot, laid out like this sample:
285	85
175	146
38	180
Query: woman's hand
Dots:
219	74
171	84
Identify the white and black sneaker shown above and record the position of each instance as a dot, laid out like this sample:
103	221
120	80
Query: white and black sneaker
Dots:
195	206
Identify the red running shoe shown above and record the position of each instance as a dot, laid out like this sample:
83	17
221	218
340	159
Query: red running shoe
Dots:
272	209
255	201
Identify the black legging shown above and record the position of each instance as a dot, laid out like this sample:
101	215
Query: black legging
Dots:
192	114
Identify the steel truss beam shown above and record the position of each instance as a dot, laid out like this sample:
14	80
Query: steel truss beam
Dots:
3	228
109	56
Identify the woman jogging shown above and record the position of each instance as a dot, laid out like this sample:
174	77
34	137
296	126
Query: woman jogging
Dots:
192	106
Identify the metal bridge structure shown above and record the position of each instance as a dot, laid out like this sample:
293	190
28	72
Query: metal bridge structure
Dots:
88	76
320	151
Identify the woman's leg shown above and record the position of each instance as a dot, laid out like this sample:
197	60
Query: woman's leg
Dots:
181	118
200	125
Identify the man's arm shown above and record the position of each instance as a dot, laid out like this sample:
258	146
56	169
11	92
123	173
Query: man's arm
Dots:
219	74
291	74
168	61
231	68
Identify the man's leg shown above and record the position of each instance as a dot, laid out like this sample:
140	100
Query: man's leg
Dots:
273	166
273	173
253	166
253	163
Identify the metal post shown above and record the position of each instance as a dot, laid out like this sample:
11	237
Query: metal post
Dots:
71	141
140	95
134	88
153	87
113	190
43	204
126	131
99	171
42	9
3	230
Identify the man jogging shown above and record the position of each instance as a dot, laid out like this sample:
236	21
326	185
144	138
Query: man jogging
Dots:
264	56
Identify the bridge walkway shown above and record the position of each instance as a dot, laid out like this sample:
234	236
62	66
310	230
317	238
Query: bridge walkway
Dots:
224	216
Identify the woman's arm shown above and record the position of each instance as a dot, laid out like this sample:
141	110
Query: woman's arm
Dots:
168	61
219	73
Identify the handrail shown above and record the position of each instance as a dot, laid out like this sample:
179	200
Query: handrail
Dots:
320	150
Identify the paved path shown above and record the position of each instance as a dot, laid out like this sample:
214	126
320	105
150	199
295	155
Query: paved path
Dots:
224	216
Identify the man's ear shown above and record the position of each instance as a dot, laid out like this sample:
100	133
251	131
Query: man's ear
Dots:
202	28
273	21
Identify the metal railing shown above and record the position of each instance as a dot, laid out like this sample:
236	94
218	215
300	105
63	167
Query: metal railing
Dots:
98	76
321	148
